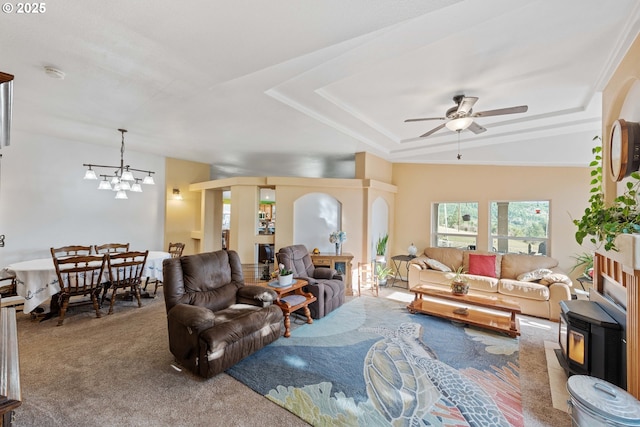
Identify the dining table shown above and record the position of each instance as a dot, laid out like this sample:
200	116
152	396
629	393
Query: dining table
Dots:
37	282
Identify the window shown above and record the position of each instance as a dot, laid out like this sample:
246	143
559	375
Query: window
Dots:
455	224
520	227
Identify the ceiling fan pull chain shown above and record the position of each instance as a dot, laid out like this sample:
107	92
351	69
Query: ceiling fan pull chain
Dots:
459	155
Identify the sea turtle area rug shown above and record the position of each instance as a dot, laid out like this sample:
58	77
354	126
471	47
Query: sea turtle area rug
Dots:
372	363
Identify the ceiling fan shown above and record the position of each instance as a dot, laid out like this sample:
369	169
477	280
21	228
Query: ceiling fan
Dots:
461	116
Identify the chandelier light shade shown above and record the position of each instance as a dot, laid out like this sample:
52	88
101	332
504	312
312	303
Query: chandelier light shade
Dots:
127	175
104	184
90	174
148	179
459	124
136	187
122	177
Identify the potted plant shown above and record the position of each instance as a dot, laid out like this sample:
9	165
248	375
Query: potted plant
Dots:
584	260
602	223
284	276
459	285
382	273
381	247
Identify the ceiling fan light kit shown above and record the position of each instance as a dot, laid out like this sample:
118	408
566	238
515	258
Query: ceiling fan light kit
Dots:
459	124
460	117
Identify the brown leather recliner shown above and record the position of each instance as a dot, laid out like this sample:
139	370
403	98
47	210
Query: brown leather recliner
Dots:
326	284
215	320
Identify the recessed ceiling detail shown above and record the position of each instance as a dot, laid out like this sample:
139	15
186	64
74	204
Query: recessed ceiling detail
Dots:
227	86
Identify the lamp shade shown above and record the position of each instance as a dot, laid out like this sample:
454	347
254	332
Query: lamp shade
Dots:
90	174
148	180
121	194
124	185
459	124
136	187
127	176
104	185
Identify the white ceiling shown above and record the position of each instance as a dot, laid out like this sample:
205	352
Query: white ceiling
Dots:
296	87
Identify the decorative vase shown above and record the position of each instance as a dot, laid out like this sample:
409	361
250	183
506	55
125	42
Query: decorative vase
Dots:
285	280
338	249
459	288
413	251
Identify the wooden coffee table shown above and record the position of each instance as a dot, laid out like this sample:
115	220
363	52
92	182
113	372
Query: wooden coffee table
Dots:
482	311
290	299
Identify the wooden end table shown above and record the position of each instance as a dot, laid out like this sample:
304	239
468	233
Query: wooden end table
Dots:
289	305
442	303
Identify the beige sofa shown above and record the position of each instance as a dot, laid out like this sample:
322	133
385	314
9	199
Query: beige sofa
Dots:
539	298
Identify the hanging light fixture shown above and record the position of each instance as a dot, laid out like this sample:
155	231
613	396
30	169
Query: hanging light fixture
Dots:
122	179
461	123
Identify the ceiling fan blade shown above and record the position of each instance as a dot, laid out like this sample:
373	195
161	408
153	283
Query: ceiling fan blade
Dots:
432	131
476	128
425	118
466	104
501	111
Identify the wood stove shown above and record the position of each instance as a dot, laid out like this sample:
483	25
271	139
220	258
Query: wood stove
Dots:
591	342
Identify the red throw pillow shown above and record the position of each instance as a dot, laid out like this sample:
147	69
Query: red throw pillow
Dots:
482	265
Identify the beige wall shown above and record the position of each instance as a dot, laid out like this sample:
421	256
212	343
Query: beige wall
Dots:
373	167
348	192
613	97
415	187
421	185
355	195
183	216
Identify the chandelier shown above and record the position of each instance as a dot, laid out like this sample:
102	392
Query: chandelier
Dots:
122	178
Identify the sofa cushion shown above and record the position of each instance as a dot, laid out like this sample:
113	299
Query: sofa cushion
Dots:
482	265
498	260
482	283
526	290
516	264
435	277
535	275
437	265
555	278
451	257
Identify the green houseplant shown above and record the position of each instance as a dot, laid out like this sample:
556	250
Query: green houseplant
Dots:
584	261
381	245
459	283
602	223
382	273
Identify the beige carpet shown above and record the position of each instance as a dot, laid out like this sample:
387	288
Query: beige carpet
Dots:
116	371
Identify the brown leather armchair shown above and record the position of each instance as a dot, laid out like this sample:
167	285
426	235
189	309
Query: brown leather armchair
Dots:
324	283
214	320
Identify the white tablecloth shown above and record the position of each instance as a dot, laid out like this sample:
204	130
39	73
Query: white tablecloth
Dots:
36	279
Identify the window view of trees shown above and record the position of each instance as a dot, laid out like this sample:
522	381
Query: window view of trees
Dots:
515	226
456	224
520	227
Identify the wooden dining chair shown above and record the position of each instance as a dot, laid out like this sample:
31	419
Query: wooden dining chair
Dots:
111	248
8	293
125	271
175	249
73	250
79	276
